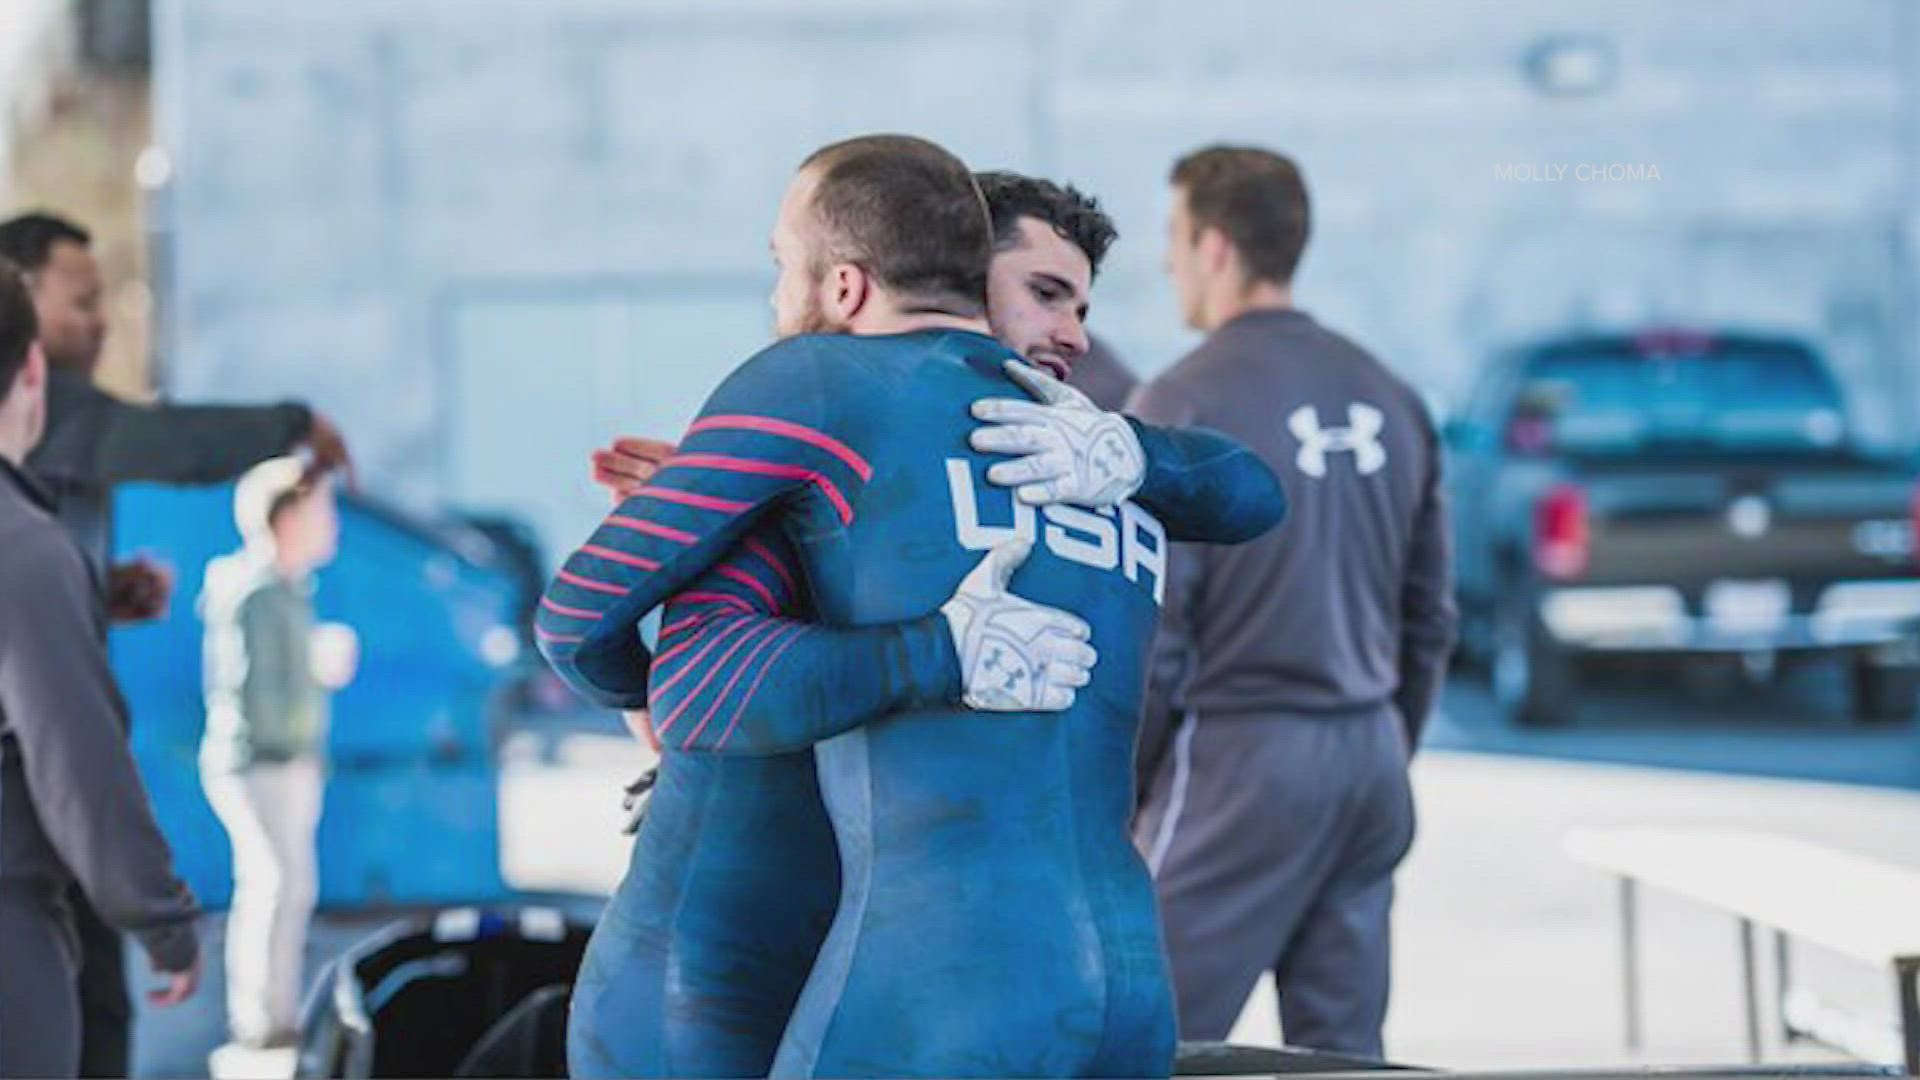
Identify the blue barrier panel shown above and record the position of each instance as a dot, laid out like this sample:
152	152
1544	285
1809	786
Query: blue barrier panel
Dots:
411	833
412	802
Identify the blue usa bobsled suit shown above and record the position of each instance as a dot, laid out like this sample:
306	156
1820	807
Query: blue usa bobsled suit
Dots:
995	918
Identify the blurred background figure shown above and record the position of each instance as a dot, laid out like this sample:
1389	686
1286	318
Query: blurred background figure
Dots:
74	817
269	671
93	441
1300	667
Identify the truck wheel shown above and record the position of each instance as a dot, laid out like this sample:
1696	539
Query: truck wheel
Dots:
1885	692
1532	675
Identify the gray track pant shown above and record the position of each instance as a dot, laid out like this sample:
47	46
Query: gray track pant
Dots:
1273	842
39	982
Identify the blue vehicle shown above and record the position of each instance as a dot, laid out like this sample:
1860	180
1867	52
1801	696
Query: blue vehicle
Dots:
1679	495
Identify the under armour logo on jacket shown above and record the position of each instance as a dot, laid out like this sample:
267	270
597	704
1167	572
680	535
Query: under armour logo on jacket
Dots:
1361	438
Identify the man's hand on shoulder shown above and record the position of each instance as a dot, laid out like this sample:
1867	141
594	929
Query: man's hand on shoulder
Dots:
1066	449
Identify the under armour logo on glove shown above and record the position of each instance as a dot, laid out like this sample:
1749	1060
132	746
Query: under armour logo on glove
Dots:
1361	438
1015	655
1074	452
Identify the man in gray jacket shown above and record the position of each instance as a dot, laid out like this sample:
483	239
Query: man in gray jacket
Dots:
72	808
1292	674
93	441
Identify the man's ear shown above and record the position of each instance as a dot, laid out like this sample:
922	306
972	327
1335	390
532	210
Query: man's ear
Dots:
849	290
1216	251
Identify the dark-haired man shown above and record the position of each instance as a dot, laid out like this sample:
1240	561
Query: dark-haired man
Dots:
1037	285
72	808
857	448
1293	674
93	441
1036	300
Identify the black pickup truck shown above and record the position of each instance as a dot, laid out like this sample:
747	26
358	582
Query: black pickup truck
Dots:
1677	493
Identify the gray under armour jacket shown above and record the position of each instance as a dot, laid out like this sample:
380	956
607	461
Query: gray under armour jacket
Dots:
1349	603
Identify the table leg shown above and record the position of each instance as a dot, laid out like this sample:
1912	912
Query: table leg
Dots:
1630	960
1783	982
1749	976
1909	974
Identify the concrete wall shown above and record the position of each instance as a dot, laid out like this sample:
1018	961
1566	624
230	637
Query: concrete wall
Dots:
73	121
451	221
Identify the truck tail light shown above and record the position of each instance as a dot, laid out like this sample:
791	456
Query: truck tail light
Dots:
1562	545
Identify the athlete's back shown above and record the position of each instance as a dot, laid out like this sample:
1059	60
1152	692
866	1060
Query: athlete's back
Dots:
994	917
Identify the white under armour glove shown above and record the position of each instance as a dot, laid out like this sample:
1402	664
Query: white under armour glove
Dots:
1074	452
1015	655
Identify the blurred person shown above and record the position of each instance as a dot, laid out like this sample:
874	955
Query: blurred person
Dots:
93	441
1293	674
269	671
734	876
72	809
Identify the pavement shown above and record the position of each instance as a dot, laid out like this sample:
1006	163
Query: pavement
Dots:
1697	719
1506	951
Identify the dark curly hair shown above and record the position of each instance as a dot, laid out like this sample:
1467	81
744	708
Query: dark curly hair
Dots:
1071	213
